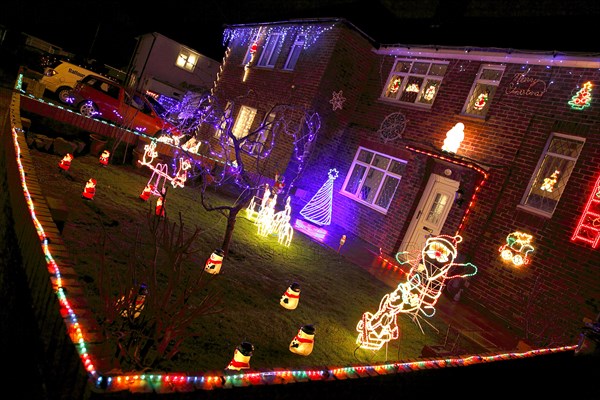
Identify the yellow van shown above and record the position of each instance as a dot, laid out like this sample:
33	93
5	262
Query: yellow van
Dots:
62	76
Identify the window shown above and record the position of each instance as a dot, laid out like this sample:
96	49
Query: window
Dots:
255	145
552	174
373	179
483	90
271	50
297	47
187	59
415	82
243	122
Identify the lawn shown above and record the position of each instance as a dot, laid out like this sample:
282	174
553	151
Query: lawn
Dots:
112	249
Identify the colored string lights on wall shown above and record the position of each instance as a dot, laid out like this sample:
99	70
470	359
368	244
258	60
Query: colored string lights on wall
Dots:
583	98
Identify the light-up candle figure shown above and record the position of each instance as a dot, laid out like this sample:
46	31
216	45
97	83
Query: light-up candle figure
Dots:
291	297
104	157
454	138
241	357
90	189
147	192
136	304
303	343
342	242
549	183
159	210
214	262
65	163
417	296
517	248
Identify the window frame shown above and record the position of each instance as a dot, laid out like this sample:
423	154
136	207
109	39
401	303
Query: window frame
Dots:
356	195
537	177
184	55
475	91
256	147
408	79
270	50
295	51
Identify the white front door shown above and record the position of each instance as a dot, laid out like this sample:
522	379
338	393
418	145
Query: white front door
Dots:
430	216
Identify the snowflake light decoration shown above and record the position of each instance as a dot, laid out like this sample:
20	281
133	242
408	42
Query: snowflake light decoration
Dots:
392	127
337	100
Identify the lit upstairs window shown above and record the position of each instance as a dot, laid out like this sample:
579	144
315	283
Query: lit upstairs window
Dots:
187	59
483	90
552	174
414	82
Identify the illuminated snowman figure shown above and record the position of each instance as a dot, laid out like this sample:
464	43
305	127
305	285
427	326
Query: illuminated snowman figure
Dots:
241	357
304	341
291	297
213	264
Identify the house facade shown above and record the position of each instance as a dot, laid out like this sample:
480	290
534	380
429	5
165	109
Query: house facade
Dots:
165	67
497	148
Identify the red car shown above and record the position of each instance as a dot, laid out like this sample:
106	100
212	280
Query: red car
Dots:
97	97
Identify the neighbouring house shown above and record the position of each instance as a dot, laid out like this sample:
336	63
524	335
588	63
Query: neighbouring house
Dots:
165	67
499	146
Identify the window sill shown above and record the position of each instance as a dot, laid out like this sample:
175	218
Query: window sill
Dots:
534	211
364	203
474	118
402	103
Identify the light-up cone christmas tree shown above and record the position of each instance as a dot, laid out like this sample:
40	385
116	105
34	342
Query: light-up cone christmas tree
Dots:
318	209
583	98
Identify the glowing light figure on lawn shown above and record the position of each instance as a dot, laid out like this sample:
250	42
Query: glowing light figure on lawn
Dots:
304	341
251	211
517	248
160	171
65	163
241	357
417	296
264	220
104	157
90	189
270	222
291	297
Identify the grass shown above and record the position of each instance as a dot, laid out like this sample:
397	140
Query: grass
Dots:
255	274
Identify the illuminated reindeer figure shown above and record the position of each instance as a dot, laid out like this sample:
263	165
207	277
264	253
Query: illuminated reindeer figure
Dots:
416	296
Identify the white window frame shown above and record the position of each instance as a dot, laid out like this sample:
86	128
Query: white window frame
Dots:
187	59
479	86
256	146
270	51
358	193
295	51
407	72
543	202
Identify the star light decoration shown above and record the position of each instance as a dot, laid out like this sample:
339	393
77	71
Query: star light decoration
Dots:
337	100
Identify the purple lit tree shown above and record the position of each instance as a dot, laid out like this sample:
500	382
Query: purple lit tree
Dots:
238	151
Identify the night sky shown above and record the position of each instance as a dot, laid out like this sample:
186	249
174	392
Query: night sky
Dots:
106	30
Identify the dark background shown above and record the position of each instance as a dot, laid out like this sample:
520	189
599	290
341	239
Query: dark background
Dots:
106	30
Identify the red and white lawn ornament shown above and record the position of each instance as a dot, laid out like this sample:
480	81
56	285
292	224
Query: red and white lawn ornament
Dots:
304	341
90	189
159	211
145	195
65	163
136	304
241	357
213	264
291	297
104	157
